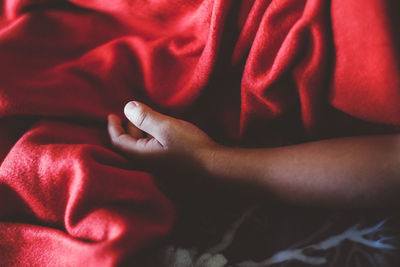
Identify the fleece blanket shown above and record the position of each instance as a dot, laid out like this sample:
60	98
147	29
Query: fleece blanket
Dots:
250	73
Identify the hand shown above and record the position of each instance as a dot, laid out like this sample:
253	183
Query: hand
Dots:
157	139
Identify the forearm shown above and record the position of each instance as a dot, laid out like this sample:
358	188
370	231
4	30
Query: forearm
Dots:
356	171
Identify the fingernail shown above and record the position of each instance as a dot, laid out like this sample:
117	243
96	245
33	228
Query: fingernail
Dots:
111	116
131	105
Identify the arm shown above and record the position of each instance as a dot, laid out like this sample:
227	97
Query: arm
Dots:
354	171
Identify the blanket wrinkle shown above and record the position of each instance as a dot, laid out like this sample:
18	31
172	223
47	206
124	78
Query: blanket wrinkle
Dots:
64	184
376	82
265	82
298	70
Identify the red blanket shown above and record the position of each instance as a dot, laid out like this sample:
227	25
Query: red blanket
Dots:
251	71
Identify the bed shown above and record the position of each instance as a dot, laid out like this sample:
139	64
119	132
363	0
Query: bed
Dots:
256	73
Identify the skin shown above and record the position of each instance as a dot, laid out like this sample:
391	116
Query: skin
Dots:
344	172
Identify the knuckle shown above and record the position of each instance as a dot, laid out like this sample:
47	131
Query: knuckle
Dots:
164	128
140	116
115	141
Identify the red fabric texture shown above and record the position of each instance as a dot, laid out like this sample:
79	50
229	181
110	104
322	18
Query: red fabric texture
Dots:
245	71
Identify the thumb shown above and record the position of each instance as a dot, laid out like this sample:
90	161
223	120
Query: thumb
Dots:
146	119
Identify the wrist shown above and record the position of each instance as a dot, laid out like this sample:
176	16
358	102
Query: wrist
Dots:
207	159
235	165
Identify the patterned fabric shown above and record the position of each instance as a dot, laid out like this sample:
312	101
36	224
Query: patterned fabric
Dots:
228	229
295	237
